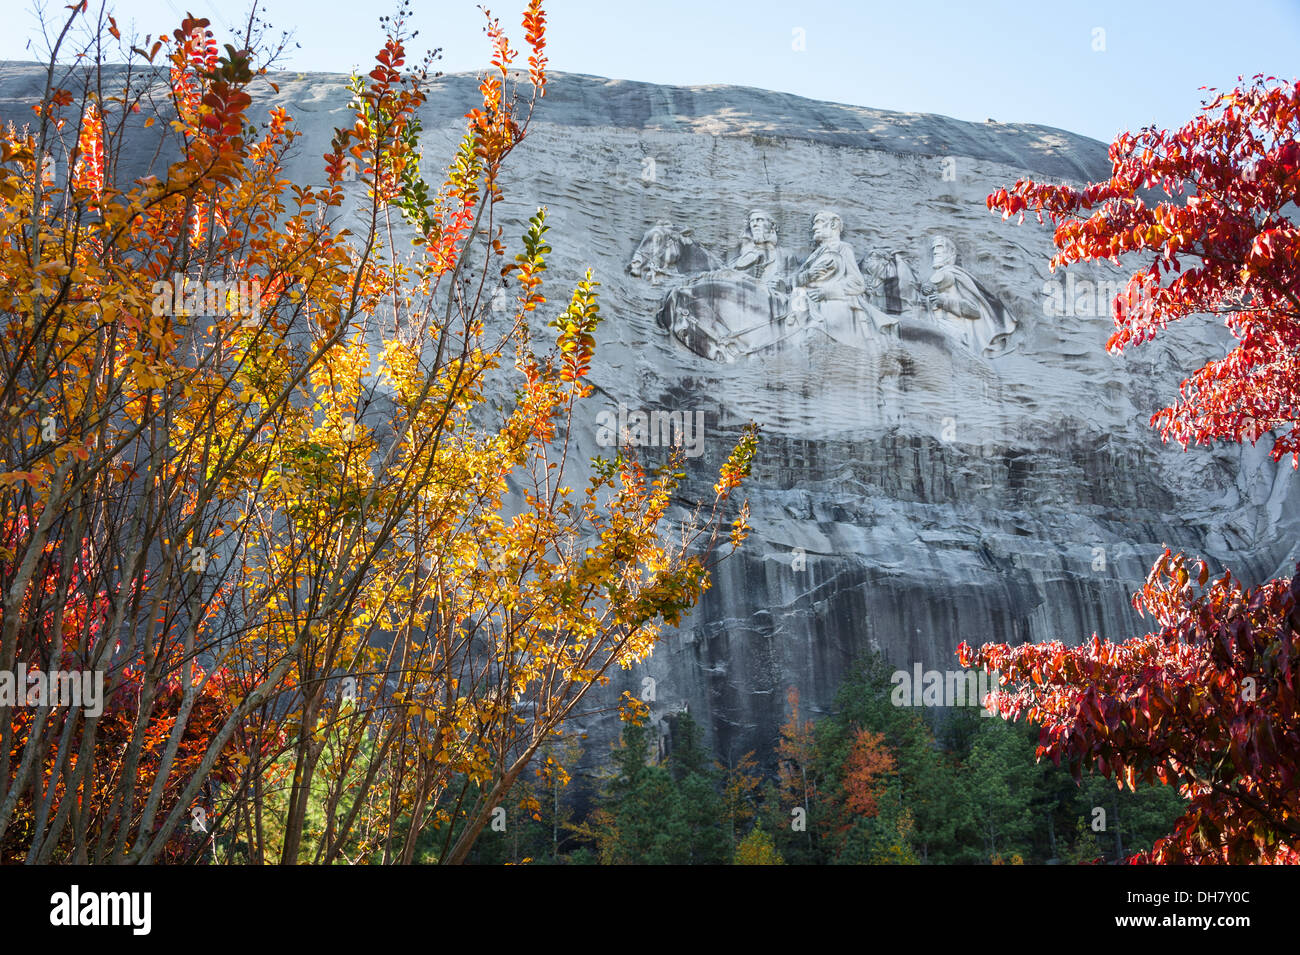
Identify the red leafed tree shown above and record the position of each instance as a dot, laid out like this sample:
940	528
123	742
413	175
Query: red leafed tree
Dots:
797	753
868	766
1207	701
129	734
1219	242
865	773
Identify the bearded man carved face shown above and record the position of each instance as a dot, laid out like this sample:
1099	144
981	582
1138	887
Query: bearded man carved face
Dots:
761	229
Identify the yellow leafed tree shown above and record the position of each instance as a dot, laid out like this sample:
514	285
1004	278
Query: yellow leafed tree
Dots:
253	476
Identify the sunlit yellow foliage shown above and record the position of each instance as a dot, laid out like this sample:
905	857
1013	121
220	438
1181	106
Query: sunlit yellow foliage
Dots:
277	432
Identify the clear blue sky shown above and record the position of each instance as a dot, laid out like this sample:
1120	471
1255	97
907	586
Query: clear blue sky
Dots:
1012	61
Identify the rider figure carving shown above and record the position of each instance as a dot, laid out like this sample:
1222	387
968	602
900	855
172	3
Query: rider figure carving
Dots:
961	306
761	256
830	291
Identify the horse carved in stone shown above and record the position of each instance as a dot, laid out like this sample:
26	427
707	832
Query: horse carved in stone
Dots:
666	250
716	311
724	314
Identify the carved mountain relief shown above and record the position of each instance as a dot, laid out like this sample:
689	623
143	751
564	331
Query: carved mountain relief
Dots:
765	295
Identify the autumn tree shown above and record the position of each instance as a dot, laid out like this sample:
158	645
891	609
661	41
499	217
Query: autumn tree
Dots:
757	848
1206	702
796	752
80	616
264	407
865	818
1221	239
867	768
741	784
927	778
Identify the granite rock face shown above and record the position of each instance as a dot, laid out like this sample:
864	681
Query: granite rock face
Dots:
944	456
948	453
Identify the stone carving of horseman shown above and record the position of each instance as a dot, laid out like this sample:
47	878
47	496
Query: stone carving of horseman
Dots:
762	256
730	311
964	308
830	292
764	295
666	250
